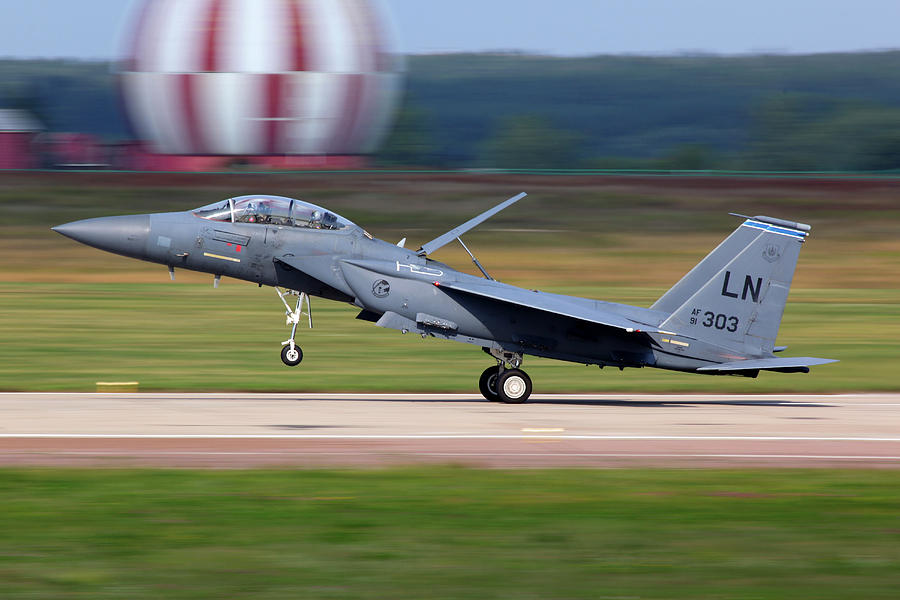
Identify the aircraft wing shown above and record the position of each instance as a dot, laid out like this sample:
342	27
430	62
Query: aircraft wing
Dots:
545	303
764	364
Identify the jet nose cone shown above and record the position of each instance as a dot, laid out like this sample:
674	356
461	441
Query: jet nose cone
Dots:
123	235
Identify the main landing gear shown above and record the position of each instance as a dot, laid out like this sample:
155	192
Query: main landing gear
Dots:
502	383
291	354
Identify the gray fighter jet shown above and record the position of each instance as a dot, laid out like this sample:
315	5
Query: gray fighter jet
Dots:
720	319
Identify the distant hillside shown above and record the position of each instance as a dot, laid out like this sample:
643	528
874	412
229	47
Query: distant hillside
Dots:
826	111
641	107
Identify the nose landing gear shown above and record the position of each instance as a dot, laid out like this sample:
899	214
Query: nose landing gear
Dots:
503	383
291	354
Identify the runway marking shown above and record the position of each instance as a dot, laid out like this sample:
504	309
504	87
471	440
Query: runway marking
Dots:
469	396
776	400
322	436
462	454
787	400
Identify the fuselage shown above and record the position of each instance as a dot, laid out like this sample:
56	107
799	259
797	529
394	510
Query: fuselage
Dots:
721	318
349	265
287	243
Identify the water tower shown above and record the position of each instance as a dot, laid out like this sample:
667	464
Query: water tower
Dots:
242	79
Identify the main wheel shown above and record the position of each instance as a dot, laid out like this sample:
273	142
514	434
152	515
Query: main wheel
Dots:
487	383
513	386
291	357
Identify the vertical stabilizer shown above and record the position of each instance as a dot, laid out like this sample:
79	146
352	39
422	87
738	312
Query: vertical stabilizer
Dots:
735	297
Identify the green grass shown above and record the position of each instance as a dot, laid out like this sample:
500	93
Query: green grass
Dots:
449	533
188	336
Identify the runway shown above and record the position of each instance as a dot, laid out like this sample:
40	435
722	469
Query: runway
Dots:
369	430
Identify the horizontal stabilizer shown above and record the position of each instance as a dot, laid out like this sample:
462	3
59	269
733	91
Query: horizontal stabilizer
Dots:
544	302
767	364
454	233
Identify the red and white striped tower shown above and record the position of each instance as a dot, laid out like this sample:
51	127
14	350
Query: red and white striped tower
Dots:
260	77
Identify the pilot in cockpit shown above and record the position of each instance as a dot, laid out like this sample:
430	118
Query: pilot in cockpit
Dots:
273	210
264	213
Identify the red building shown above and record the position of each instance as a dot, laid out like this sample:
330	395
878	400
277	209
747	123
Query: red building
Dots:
17	132
73	151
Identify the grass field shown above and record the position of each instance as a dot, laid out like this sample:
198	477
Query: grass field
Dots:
188	336
72	315
449	533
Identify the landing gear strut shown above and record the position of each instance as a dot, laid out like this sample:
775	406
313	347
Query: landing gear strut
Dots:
505	382
291	354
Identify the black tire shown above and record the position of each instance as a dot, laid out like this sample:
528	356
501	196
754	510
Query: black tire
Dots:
487	383
291	361
513	386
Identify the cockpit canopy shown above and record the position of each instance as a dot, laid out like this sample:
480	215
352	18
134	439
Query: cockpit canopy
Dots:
272	210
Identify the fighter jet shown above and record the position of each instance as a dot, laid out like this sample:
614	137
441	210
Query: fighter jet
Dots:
721	318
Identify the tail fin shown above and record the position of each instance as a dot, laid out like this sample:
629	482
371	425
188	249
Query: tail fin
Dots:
735	296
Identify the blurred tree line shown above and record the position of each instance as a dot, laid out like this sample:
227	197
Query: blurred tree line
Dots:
765	112
65	95
762	112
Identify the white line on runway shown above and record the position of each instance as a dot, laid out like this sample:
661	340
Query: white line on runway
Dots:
301	436
786	400
699	397
463	454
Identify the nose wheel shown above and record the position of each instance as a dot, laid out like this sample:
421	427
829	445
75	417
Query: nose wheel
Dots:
291	354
